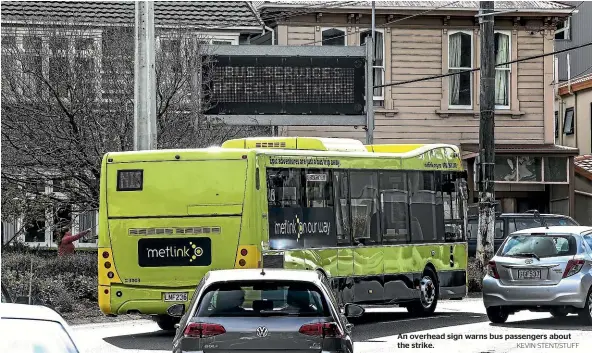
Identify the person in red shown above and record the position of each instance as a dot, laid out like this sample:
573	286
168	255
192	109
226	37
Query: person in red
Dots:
66	246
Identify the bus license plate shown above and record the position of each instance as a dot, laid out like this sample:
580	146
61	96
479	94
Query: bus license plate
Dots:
175	297
529	274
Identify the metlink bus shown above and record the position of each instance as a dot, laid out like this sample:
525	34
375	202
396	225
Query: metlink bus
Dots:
384	224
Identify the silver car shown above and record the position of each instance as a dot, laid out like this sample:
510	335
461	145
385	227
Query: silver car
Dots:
271	310
541	269
33	328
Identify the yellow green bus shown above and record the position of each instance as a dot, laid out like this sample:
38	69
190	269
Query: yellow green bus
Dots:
384	224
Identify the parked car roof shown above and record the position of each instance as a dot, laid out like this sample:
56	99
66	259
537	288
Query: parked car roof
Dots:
270	274
556	230
30	312
530	214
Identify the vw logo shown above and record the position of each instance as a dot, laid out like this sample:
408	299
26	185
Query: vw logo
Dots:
262	331
528	261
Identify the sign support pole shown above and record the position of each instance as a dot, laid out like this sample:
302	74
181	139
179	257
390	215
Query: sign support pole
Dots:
144	79
369	91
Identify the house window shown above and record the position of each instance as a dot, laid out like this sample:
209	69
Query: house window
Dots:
502	73
568	122
563	29
334	36
556	124
460	58
32	64
378	65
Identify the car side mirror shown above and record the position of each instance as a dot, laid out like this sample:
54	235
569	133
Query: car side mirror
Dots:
176	310
353	310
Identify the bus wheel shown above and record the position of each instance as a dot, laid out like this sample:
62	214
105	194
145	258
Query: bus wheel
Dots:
428	294
165	322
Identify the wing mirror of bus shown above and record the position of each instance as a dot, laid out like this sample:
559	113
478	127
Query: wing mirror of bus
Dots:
176	310
353	310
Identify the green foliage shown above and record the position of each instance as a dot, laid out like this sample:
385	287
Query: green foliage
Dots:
58	282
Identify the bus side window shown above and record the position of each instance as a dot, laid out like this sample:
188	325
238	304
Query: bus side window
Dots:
394	207
341	197
364	207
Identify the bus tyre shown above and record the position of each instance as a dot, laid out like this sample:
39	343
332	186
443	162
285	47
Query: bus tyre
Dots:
428	295
166	322
585	313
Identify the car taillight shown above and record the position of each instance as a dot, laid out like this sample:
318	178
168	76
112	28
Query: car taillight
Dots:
201	330
493	270
321	329
573	267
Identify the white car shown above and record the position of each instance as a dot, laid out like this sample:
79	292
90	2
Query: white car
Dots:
33	328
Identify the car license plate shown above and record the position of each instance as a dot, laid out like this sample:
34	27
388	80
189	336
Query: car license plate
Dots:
529	274
175	297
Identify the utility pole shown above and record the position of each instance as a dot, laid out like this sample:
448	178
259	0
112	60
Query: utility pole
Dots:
144	79
486	137
370	81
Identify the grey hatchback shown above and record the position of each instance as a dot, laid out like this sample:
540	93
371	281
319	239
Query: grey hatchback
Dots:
272	310
541	269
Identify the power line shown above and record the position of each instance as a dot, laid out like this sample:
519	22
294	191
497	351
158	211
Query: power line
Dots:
386	24
478	68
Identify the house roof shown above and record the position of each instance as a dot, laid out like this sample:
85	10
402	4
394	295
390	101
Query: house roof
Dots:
578	84
529	6
210	14
583	166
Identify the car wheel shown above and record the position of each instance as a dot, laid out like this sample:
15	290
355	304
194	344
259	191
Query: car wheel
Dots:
166	322
428	295
497	314
585	313
558	313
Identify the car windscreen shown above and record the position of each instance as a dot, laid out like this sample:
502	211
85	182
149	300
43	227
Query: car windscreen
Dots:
539	246
43	336
525	223
263	298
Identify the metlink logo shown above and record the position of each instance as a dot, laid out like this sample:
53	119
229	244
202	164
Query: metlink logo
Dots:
191	251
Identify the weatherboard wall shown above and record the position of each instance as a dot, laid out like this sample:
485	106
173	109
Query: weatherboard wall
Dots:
418	112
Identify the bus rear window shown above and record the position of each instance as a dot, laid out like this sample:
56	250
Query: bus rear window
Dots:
263	298
130	180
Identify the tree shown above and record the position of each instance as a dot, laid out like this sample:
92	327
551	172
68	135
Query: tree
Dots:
67	99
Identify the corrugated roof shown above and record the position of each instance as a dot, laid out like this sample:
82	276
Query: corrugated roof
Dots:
216	14
472	5
524	149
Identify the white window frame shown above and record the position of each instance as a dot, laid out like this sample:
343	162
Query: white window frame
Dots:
45	36
383	67
470	33
343	29
565	30
542	181
509	69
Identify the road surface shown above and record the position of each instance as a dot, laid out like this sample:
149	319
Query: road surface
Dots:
458	326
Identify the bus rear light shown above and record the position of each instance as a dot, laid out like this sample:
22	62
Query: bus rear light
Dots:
244	156
242	262
107	264
201	330
105	254
244	252
110	274
106	291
